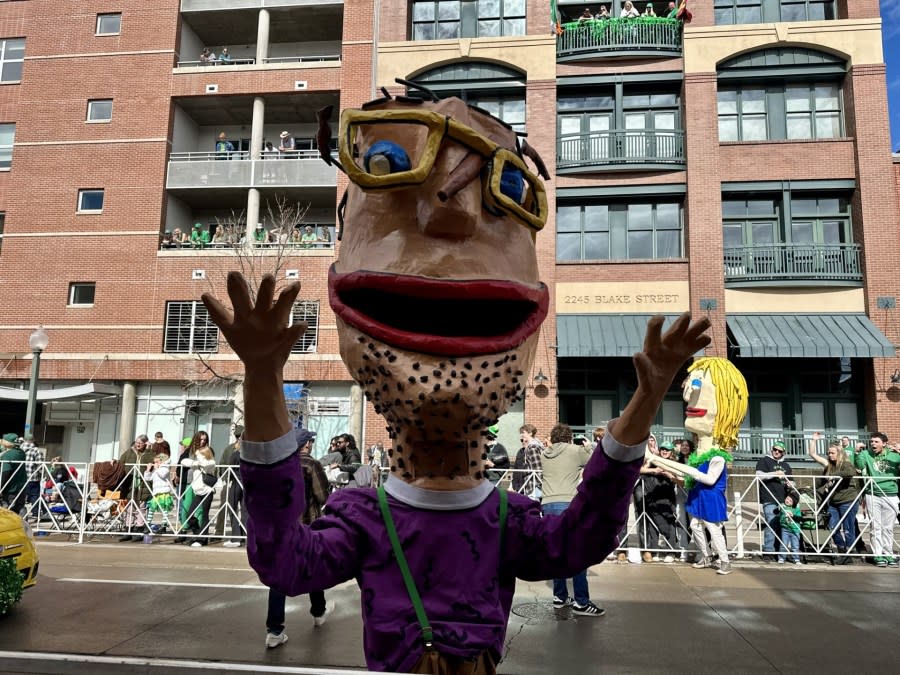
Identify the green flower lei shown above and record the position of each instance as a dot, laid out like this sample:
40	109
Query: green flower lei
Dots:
696	460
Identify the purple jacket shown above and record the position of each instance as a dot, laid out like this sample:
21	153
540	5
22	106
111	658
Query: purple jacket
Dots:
453	550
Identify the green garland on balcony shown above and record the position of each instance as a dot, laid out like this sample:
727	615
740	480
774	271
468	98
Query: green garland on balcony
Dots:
11	583
616	24
696	460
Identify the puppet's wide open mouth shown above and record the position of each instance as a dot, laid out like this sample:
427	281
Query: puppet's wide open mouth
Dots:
438	316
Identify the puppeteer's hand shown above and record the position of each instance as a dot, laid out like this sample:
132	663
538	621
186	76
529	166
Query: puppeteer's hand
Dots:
665	353
257	332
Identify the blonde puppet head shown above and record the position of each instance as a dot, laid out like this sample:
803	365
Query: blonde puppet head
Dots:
716	396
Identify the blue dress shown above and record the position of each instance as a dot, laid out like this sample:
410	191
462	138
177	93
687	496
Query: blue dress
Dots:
707	502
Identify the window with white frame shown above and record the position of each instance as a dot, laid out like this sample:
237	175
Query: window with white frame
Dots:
308	311
109	24
188	329
81	293
99	110
12	56
7	138
90	200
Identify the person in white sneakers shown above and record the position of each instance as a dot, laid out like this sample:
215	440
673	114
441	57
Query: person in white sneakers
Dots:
316	485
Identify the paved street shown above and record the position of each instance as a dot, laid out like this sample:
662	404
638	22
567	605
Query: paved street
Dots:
204	611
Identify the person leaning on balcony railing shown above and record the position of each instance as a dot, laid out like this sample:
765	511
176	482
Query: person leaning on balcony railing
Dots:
199	236
603	14
585	15
167	241
839	492
672	11
287	146
629	11
648	10
179	238
225	57
324	236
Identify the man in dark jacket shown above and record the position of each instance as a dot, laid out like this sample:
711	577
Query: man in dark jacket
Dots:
12	474
134	488
234	492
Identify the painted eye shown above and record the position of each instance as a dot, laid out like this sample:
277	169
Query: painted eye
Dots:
696	383
512	184
386	157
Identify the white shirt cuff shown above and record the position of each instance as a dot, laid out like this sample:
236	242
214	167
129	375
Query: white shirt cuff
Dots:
269	452
617	451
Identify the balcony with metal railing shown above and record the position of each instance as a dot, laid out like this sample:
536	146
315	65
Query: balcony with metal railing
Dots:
300	168
620	148
642	36
796	264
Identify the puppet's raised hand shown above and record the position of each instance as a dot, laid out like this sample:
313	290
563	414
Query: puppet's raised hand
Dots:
258	333
665	353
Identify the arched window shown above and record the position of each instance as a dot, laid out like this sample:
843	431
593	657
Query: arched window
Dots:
498	89
781	94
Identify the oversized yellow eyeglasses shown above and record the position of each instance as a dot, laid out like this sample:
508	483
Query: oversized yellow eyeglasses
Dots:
419	134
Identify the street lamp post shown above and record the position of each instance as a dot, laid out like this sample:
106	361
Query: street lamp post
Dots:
38	341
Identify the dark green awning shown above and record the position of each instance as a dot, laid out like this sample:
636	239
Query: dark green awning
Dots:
808	336
602	334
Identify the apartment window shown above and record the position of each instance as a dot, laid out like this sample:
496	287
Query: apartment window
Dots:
7	138
450	19
12	56
188	329
788	217
99	110
729	12
81	293
90	201
793	111
109	24
308	311
510	110
619	231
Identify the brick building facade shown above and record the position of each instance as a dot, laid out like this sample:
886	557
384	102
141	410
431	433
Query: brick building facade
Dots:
738	166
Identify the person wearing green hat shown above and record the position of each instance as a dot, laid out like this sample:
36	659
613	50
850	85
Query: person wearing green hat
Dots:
497	456
774	474
199	236
12	473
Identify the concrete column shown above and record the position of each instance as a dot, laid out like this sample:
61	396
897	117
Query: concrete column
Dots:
262	36
252	214
126	421
357	404
256	127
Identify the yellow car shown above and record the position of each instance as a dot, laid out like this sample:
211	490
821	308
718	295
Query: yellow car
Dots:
17	542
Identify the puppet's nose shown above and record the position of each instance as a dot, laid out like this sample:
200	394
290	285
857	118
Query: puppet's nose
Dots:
455	218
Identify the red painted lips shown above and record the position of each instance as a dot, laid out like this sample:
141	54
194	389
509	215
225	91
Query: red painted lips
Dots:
438	316
695	412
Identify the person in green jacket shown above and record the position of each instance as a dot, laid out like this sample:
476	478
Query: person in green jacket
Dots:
882	466
199	236
790	529
12	473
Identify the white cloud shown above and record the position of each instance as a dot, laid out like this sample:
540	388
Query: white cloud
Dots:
890	15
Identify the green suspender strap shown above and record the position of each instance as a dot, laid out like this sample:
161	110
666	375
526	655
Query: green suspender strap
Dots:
427	634
412	591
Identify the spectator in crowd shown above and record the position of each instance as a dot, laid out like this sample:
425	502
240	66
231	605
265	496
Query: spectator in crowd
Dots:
324	235
882	466
586	15
671	11
167	241
603	14
532	458
179	238
562	462
659	505
308	240
497	456
134	488
234	497
848	448
774	474
199	236
222	237
224	147
351	459
629	11
260	234
839	492
13	474
34	458
158	474
212	58
269	150
287	147
160	445
225	57
648	10
204	55
646	480
198	497
788	513
684	448
316	485
296	236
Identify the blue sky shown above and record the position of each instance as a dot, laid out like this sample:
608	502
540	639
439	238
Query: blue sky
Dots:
890	15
